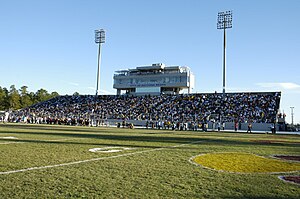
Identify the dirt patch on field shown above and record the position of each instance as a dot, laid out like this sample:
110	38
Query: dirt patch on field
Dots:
288	157
292	179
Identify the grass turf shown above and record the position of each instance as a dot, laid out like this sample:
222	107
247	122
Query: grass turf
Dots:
157	166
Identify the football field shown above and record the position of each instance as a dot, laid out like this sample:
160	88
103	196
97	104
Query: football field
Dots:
44	161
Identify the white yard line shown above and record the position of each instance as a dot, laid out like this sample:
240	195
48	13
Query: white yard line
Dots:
92	160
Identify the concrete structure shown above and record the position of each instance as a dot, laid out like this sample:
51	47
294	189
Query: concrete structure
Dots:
154	80
229	126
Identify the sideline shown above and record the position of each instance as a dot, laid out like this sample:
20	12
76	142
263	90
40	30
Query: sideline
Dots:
12	142
228	130
93	160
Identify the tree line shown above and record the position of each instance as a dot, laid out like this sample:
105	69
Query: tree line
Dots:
14	99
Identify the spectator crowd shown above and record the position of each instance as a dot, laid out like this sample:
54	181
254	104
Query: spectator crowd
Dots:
195	108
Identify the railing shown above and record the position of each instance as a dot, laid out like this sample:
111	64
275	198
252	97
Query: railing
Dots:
150	73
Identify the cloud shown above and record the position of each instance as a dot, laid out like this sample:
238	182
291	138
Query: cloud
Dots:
282	85
73	83
105	92
240	89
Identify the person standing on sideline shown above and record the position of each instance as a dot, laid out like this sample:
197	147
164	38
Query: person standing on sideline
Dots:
236	125
249	127
219	126
6	117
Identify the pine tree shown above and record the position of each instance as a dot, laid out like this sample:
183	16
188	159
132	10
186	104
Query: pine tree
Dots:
14	98
25	97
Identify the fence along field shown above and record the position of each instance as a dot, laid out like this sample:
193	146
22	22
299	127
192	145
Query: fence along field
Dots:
63	161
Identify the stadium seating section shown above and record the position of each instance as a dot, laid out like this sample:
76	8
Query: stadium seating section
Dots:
242	107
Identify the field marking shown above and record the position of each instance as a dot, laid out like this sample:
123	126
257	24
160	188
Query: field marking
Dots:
8	137
191	160
93	160
11	142
109	149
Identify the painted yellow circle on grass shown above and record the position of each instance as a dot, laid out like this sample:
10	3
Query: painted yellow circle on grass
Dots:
245	163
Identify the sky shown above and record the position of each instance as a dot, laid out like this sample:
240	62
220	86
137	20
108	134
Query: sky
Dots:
50	44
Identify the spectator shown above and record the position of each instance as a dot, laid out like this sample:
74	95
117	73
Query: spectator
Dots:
249	127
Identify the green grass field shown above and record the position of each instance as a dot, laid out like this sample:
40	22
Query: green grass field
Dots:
40	161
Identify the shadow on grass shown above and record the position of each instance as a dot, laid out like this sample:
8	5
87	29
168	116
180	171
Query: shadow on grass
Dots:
83	143
136	136
20	126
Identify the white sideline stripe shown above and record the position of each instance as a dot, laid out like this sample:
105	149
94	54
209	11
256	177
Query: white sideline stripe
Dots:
12	142
91	160
8	138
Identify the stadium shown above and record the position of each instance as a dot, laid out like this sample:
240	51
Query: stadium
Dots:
154	96
156	137
149	145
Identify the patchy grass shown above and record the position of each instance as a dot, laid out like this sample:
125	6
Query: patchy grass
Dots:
157	166
244	163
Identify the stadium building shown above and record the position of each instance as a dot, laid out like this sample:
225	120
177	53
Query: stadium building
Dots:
154	80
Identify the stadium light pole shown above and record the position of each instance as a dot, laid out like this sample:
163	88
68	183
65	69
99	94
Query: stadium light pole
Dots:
224	22
99	39
292	114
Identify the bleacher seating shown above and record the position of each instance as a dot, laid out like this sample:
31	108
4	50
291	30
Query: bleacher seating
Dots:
243	107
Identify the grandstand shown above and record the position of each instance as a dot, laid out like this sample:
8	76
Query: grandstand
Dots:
153	100
260	109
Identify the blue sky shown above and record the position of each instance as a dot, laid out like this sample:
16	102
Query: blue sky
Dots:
50	44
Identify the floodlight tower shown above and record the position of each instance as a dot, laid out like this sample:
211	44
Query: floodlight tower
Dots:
99	39
224	22
292	114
